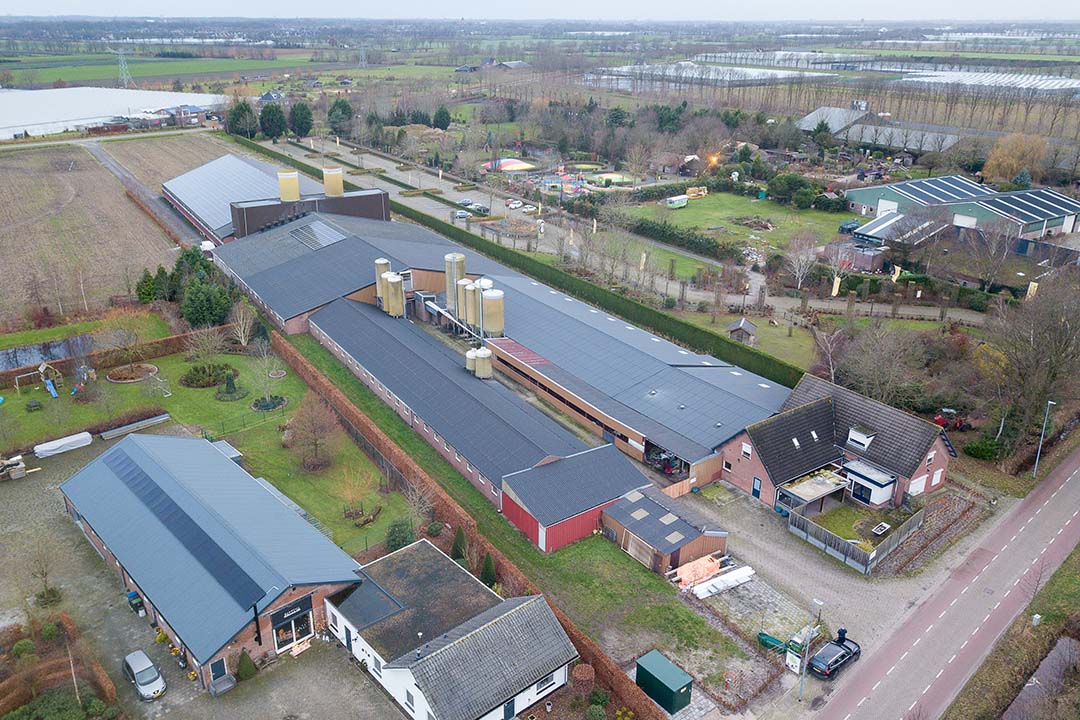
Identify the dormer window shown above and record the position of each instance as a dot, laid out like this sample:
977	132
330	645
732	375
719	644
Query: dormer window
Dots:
860	437
813	434
795	442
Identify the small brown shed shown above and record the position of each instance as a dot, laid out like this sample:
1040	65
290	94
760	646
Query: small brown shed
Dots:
744	331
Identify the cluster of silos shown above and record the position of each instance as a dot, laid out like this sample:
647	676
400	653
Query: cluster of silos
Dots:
478	305
389	289
478	362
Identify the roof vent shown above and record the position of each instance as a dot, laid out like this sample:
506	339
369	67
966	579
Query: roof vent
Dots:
652	392
682	407
813	434
719	424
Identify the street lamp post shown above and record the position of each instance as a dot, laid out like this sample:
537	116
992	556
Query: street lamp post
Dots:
1038	454
818	604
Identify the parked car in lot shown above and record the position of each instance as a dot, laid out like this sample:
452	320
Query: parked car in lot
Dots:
462	214
465	203
514	204
144	675
529	209
482	209
834	656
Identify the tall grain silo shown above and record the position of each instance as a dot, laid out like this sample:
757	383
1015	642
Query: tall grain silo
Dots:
459	295
455	270
288	185
483	363
493	311
333	182
471	307
394	300
382	266
470	360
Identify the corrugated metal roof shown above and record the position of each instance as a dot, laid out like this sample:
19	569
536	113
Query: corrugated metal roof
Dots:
941	190
838	119
207	190
487	660
488	424
563	488
1032	206
214	510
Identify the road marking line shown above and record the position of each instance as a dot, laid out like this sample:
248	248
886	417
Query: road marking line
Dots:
985	618
1042	551
952	603
1003	549
964	645
1016	582
861	702
1012	538
1060	530
929	628
1036	559
992	559
1045	502
1054	494
1007	592
964	590
927	688
1075	513
1051	541
847	717
1037	512
875	686
939	673
974	631
996	604
890	670
952	658
913	706
943	613
904	655
916	642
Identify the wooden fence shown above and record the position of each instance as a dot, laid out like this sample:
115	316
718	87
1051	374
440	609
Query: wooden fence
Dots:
847	552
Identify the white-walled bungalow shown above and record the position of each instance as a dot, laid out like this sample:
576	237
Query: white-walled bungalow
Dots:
443	645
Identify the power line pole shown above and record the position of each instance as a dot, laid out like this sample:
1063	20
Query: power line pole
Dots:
125	75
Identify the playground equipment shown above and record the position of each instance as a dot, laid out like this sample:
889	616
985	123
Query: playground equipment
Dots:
694	193
158	385
83	375
45	374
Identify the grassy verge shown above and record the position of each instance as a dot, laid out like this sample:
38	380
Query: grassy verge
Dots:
152	327
595	583
1020	650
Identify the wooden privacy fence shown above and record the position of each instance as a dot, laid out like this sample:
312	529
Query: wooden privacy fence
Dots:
402	470
845	551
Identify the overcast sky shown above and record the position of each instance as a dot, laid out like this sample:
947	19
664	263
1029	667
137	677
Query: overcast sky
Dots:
727	10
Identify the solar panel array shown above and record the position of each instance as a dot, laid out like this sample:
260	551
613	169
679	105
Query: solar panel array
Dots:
1032	205
240	586
316	235
940	190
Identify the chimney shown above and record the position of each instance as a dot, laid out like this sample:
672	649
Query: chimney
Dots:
333	182
288	185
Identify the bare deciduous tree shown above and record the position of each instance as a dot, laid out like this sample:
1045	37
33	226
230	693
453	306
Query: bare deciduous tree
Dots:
242	318
831	348
266	363
800	256
121	331
314	433
420	504
988	249
862	368
202	346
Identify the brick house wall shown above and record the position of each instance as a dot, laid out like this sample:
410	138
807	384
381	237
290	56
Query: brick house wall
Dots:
743	470
243	640
931	474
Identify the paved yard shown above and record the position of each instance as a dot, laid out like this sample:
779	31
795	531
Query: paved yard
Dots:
320	683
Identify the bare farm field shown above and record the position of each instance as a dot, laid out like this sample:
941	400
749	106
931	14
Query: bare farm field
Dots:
69	235
157	159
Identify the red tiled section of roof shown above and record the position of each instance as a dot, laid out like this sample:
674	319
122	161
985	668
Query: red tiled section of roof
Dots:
519	352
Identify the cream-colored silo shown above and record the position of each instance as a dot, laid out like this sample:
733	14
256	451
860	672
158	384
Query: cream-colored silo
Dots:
483	363
470	360
382	266
455	270
471	314
459	311
394	300
333	182
288	185
494	317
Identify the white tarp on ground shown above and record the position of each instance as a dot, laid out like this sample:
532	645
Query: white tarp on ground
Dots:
62	445
54	110
728	580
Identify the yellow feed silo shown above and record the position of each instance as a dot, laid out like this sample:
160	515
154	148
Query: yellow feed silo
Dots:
459	307
454	264
471	307
470	360
494	318
483	363
382	266
394	301
288	185
333	182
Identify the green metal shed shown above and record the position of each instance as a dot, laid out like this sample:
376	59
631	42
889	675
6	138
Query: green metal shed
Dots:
663	681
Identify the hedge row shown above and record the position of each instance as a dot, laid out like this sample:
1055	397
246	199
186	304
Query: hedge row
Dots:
687	238
658	322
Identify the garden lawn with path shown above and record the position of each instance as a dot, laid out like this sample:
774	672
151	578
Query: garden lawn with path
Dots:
772	339
722	209
351	479
852	522
611	596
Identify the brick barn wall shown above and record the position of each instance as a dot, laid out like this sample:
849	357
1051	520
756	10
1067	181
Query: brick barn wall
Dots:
743	470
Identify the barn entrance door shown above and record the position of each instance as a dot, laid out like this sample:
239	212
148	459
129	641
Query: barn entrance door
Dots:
638	549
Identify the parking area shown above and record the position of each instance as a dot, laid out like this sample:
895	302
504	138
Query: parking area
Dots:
320	683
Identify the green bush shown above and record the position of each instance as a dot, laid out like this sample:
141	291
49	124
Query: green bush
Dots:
434	529
600	697
595	712
399	534
95	707
459	548
669	303
205	304
49	632
50	705
111	713
209	375
487	572
23	647
245	669
984	449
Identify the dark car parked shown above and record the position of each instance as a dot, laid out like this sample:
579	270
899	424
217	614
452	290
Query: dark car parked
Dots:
834	656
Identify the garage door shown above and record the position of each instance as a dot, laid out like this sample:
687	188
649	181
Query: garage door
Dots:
884	206
917	485
638	549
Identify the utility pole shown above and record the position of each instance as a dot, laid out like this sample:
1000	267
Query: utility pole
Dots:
806	645
1038	454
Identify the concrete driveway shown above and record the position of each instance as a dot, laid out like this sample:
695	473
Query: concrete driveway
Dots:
320	683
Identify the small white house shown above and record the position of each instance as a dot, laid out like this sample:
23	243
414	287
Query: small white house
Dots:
443	645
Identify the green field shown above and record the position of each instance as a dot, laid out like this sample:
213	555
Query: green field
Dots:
151	327
719	210
88	68
772	339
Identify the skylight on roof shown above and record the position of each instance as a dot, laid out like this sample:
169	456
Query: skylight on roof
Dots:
674	537
813	434
668	519
764	385
316	234
735	373
795	442
634	495
640	514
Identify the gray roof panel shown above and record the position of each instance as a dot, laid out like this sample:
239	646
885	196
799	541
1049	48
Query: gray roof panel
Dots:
183	499
643	514
797	441
837	118
563	488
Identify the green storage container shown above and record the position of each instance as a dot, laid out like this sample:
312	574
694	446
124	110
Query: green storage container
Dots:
664	681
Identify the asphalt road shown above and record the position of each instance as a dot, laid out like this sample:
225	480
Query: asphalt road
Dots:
927	660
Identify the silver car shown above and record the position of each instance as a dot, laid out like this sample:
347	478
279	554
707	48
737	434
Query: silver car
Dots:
144	675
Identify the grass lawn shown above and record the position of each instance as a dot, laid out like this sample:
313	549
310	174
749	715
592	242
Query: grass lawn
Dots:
720	209
103	67
1022	647
152	327
595	583
850	521
797	349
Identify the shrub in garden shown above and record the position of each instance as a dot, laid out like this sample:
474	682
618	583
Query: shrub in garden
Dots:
245	668
487	572
95	707
669	303
434	529
983	449
398	535
22	647
209	375
600	697
50	632
457	551
595	712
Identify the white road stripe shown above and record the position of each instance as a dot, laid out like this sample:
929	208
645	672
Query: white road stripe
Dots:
927	688
1003	549
964	645
875	686
916	642
1060	530
996	604
1012	538
1007	592
986	618
1016	582
861	702
928	629
904	655
964	590
943	612
953	602
913	706
952	658
939	673
890	671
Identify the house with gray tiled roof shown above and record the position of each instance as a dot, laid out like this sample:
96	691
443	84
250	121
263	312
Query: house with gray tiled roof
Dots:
828	440
443	645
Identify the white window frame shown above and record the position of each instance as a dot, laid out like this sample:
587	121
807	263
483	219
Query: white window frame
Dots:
545	682
727	466
410	701
747	451
930	458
